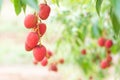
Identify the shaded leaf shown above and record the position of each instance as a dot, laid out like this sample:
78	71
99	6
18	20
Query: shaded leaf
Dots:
23	4
115	22
116	7
98	6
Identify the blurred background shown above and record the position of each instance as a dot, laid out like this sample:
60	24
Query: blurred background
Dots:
71	27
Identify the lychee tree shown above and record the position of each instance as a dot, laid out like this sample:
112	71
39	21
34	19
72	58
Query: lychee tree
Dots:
90	32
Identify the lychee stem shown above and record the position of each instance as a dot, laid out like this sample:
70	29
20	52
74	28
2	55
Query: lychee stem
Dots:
40	42
38	31
45	1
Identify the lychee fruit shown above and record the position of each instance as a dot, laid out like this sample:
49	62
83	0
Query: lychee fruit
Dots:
44	11
108	44
61	61
109	58
44	62
42	29
104	64
39	52
83	51
30	21
53	67
101	41
32	40
49	54
27	48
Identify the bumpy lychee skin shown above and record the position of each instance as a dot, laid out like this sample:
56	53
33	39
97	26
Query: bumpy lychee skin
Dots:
42	29
83	51
39	52
30	21
27	48
44	62
109	58
44	11
104	64
101	41
32	40
53	67
108	44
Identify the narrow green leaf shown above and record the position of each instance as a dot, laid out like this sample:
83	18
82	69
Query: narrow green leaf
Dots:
17	6
116	6
23	4
115	22
98	6
57	2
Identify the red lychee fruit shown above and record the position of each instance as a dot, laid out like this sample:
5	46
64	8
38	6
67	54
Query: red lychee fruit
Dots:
104	64
44	11
101	41
42	29
61	61
44	62
30	21
32	40
49	54
39	52
109	58
108	44
83	51
53	67
27	48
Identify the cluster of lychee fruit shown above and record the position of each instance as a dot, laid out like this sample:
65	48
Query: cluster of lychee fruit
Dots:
107	43
33	40
102	42
54	65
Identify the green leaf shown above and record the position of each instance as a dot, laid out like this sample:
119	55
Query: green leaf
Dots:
115	22
98	6
116	7
23	4
81	36
17	6
32	3
114	49
57	2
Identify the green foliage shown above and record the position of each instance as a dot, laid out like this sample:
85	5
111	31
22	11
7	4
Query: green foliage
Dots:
116	6
81	29
21	4
98	6
32	3
17	6
115	22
